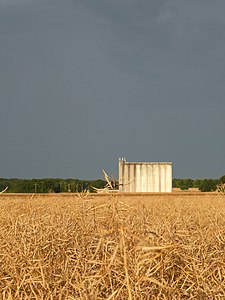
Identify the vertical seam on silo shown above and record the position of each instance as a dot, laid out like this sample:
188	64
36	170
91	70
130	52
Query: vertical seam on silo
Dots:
128	178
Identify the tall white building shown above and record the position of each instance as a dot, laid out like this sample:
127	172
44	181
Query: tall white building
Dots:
145	176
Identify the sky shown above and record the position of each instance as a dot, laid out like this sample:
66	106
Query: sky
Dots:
85	82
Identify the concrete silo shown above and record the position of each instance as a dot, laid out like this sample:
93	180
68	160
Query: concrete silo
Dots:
145	176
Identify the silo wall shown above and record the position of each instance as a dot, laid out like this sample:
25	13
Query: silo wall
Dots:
145	176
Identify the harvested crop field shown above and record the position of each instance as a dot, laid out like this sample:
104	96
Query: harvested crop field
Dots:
112	247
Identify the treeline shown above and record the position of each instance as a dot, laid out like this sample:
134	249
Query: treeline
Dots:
204	185
49	185
58	185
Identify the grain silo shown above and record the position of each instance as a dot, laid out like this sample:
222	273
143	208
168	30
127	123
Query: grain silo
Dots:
145	176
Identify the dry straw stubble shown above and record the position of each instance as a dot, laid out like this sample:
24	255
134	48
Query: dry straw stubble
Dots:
112	248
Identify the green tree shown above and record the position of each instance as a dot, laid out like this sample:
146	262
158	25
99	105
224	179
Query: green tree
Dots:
208	185
183	184
197	183
222	179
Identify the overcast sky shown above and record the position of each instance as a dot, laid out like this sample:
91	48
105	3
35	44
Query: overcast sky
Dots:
85	82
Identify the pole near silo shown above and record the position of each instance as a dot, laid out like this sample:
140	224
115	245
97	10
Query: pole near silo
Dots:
122	162
35	187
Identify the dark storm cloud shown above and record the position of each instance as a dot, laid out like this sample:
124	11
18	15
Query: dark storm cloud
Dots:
85	82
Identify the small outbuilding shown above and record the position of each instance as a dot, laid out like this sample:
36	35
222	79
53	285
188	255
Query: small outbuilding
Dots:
145	176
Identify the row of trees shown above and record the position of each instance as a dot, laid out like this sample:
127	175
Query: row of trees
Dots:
204	185
57	185
49	185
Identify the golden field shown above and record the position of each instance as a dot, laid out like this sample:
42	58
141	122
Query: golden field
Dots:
112	247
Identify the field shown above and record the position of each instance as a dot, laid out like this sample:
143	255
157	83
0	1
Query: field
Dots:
112	247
